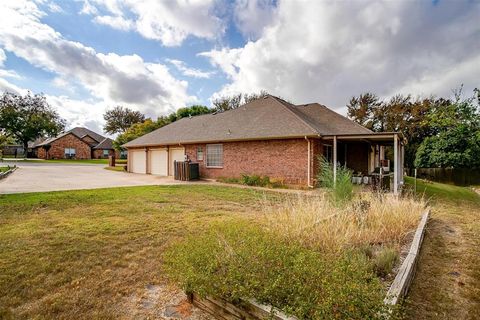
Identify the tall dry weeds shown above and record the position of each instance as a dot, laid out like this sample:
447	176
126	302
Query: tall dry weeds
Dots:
369	219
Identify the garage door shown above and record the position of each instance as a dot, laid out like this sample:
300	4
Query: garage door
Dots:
176	154
158	162
138	159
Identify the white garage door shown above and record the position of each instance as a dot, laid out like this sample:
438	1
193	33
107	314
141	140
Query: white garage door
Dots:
176	154
158	162
139	164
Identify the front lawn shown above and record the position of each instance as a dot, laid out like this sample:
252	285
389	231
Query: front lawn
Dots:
94	253
72	161
103	253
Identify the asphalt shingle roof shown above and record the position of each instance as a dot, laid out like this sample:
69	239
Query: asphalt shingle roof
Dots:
78	131
266	118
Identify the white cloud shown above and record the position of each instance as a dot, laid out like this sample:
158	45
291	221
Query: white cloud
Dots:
170	22
6	73
115	22
190	72
88	8
328	51
252	16
111	78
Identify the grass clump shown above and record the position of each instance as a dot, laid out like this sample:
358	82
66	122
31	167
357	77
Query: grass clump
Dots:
341	188
238	261
384	261
370	219
255	180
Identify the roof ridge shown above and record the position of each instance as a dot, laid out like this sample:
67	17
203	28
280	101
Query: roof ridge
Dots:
294	112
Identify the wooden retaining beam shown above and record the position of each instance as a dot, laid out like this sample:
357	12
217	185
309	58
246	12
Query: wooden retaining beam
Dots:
246	310
400	286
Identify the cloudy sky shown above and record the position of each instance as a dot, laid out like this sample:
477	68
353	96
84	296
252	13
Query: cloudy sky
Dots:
156	56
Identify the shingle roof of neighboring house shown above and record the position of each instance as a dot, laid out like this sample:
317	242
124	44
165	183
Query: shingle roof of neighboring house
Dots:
77	131
106	143
266	118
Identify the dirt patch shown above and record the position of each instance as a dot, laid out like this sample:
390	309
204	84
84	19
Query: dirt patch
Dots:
160	301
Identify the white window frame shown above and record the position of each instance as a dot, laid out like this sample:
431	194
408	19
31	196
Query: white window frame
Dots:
68	152
107	152
209	151
200	153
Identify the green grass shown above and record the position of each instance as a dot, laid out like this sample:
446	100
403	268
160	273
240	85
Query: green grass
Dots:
443	192
116	168
4	169
447	282
88	254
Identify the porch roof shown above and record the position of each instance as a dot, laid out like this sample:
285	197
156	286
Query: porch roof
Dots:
385	138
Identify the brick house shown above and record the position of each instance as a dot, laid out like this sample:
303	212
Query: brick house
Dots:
268	136
77	143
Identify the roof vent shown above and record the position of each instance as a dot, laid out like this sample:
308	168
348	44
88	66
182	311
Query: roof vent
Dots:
229	131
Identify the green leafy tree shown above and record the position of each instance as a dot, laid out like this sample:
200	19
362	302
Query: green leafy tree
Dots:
400	113
227	103
26	118
192	111
456	139
234	101
120	119
147	126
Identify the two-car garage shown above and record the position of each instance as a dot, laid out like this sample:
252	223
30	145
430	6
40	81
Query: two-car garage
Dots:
157	161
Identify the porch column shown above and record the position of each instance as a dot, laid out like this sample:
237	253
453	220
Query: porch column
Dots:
395	164
334	160
402	168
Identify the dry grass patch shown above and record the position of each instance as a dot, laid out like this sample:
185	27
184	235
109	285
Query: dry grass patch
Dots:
370	219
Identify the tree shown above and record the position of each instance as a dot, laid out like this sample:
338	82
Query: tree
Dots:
120	119
399	113
234	101
228	103
192	111
135	131
28	117
456	139
147	126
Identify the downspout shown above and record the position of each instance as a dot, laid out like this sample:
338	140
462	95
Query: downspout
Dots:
309	162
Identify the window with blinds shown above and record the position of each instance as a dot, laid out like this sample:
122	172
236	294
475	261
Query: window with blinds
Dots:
215	155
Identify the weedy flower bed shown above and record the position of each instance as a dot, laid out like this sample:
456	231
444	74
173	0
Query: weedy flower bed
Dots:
307	256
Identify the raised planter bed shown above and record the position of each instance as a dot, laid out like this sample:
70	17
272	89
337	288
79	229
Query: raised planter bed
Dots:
251	309
6	173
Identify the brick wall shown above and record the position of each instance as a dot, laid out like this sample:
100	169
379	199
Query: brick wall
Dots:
57	148
98	154
279	159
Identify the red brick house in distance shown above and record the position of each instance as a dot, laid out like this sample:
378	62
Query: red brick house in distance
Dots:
268	136
77	143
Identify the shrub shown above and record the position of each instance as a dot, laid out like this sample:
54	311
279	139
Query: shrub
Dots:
255	180
240	261
341	190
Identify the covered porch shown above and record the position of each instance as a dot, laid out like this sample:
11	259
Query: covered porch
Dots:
365	155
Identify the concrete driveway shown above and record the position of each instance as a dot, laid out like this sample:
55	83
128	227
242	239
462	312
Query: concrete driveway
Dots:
40	177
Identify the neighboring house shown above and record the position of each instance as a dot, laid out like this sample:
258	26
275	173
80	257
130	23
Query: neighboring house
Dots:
77	143
268	136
